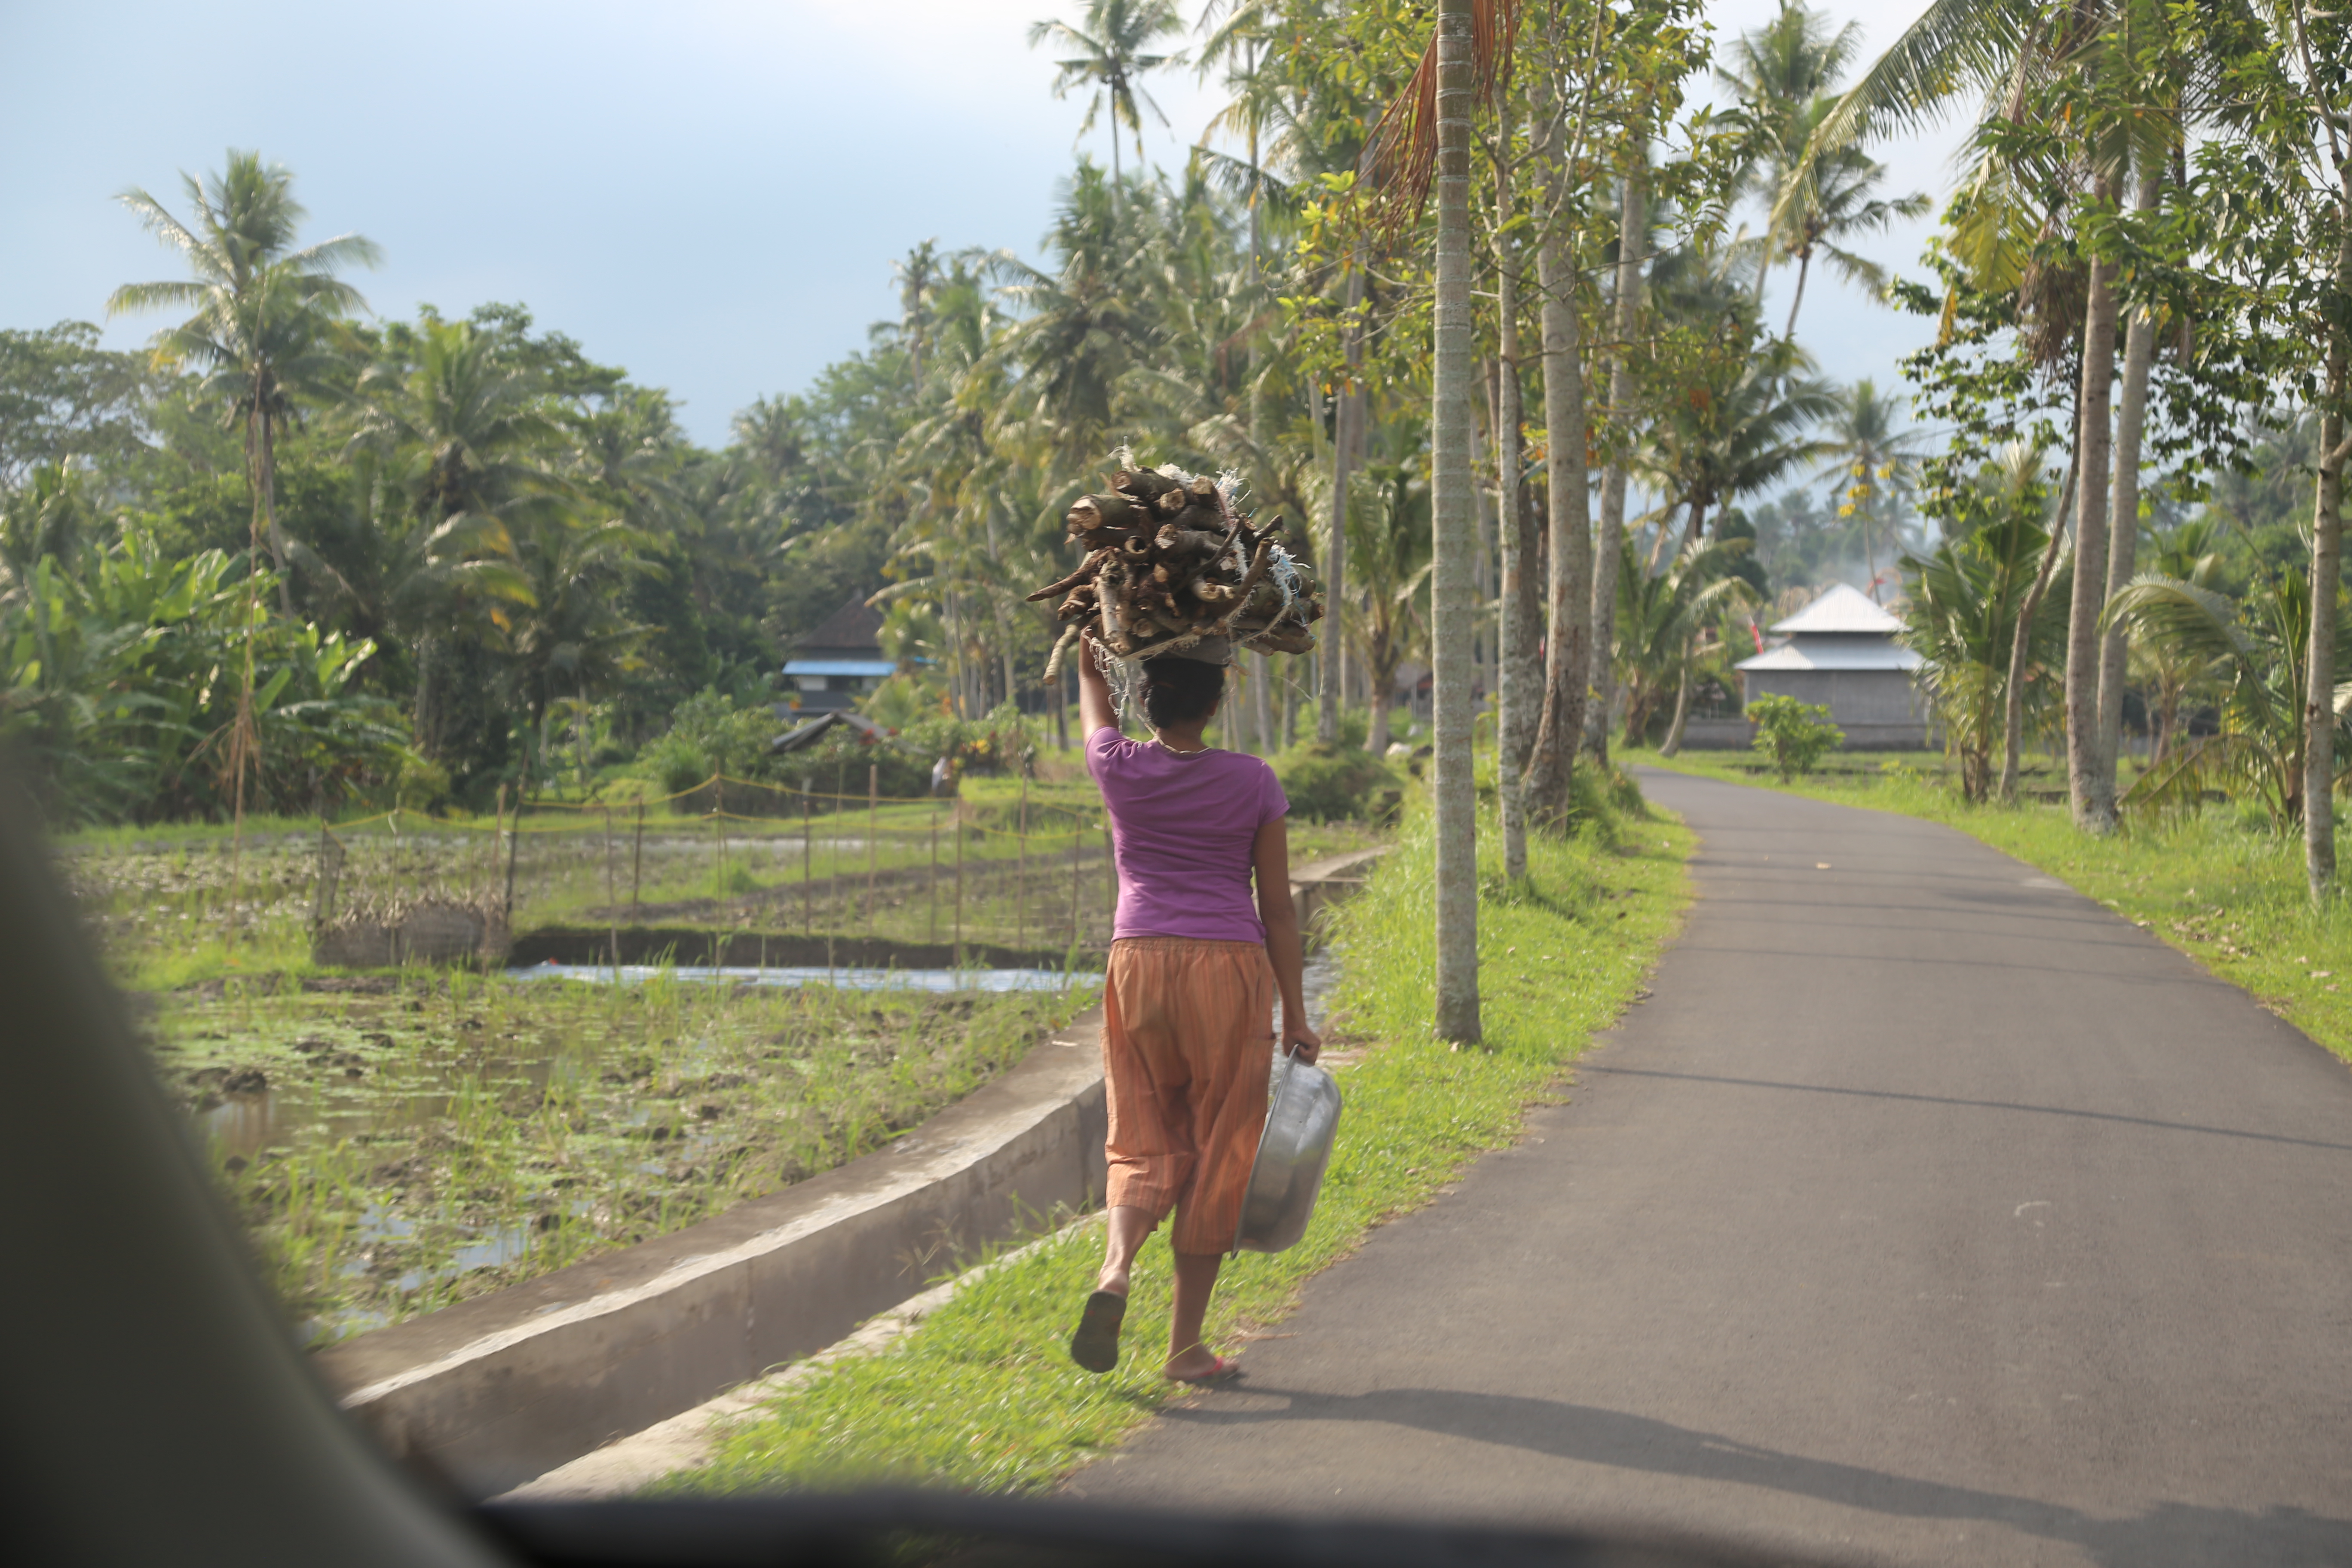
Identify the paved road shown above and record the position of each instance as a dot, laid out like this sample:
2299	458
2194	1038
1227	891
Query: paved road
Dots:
1928	1212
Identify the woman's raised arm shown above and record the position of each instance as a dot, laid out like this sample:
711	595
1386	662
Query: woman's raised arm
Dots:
1095	710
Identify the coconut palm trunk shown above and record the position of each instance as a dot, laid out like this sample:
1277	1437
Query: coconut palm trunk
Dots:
1608	548
2319	665
261	454
1569	645
2123	534
2327	572
1673	745
2021	638
1453	537
1519	679
2091	796
1346	421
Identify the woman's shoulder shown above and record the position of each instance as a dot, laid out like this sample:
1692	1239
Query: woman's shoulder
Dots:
1252	775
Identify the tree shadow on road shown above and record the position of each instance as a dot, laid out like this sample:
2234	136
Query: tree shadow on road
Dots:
2168	1534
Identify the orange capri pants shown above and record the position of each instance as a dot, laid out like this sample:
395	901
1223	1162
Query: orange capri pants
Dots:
1188	1043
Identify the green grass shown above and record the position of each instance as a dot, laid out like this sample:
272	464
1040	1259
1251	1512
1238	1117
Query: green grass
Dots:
982	1395
2220	886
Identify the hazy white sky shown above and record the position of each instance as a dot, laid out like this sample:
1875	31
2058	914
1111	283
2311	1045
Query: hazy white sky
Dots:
707	192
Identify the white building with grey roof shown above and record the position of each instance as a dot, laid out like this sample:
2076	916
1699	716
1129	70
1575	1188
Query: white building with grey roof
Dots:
1840	651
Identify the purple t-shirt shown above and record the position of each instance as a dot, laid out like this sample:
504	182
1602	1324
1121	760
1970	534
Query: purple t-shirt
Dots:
1184	826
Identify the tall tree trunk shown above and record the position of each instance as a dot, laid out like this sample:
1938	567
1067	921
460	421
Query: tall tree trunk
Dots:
2123	533
1453	535
1690	535
428	719
2094	807
261	456
1520	679
1347	419
1633	240
1569	637
2326	573
1796	301
1261	701
1673	743
2320	670
2021	636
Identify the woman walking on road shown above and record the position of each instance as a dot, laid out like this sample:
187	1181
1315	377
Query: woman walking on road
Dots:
1189	998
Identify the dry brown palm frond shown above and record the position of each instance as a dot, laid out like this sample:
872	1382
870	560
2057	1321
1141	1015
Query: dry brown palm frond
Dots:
1401	159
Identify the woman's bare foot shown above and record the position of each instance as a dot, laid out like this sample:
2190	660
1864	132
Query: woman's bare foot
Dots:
1113	1279
1196	1362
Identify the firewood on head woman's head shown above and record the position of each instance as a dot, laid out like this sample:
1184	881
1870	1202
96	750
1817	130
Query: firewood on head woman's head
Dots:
1179	691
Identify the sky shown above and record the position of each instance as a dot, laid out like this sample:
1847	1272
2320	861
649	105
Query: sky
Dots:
709	193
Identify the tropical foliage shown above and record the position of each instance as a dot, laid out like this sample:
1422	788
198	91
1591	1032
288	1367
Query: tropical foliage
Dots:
295	554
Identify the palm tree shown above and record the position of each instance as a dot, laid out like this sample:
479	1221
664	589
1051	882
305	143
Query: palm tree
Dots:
1717	443
1880	462
1965	604
566	637
2171	673
1112	44
261	309
1083	325
1660	617
466	434
1783	74
2253	648
1388	543
1827	196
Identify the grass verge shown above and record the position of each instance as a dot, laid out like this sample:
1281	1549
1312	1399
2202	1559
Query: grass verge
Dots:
2221	886
983	1397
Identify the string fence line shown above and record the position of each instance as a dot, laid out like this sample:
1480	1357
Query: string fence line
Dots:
1014	874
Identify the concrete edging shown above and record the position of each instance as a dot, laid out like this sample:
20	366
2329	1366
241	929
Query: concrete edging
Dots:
492	1392
495	1393
686	1442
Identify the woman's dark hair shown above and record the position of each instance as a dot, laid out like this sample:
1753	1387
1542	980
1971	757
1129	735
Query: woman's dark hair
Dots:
1179	691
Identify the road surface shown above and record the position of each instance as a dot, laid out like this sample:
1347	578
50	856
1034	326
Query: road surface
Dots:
1927	1213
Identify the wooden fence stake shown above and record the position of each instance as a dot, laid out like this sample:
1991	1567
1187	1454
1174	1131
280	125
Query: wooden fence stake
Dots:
1020	876
808	868
959	882
636	862
611	904
514	848
873	804
934	935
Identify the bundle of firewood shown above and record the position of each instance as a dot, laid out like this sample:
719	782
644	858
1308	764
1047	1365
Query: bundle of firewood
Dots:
1169	561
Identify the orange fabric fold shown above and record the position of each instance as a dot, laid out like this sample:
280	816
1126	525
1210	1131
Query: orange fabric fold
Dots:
1188	1043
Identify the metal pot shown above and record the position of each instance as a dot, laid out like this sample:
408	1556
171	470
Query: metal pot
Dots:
1291	1154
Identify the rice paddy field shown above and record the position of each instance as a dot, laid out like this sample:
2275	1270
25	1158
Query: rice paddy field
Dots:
398	1139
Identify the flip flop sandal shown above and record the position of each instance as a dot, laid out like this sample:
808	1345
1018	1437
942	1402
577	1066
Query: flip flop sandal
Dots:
1095	1344
1226	1367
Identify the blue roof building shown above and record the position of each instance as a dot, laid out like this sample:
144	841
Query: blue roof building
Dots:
840	661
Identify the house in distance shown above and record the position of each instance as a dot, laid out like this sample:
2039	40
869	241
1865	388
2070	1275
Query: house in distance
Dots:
840	661
1841	651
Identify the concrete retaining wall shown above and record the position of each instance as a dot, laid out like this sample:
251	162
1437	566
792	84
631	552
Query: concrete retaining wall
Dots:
495	1392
